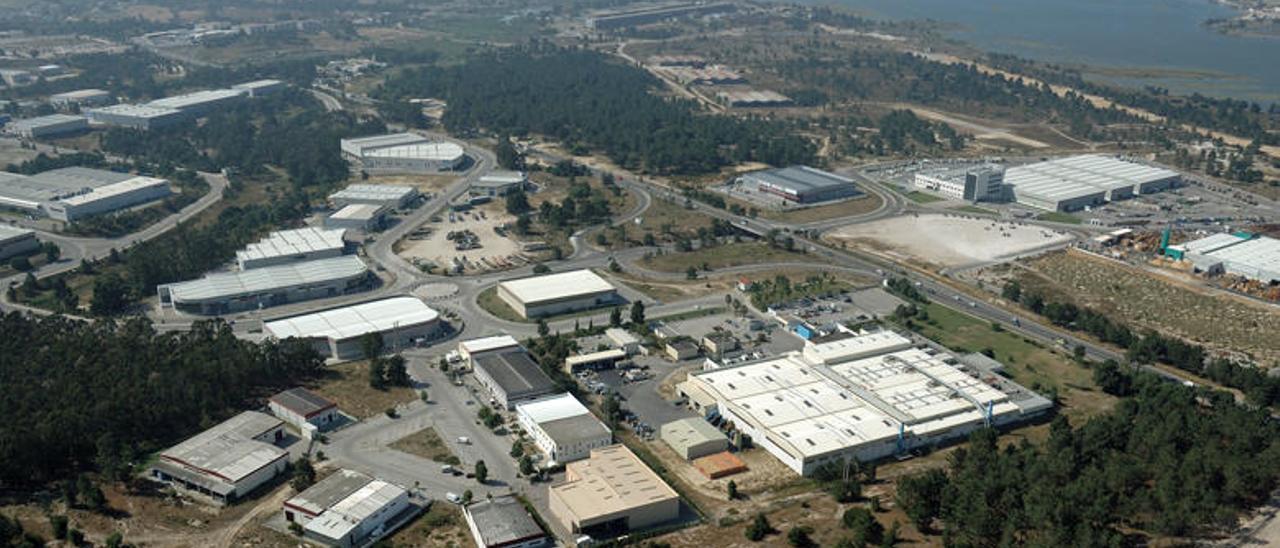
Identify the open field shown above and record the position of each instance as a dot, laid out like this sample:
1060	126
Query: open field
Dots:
1058	217
430	244
862	205
724	256
425	183
947	240
1218	321
347	384
426	444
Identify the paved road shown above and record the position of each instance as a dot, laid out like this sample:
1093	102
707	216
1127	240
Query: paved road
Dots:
330	103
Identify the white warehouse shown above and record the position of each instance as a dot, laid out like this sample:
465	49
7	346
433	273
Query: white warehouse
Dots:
16	241
289	246
396	196
560	293
562	428
403	153
229	292
43	127
348	509
337	333
1077	182
228	461
140	117
865	398
108	198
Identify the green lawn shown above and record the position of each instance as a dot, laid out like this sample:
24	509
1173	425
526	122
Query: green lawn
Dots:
1058	217
922	197
975	210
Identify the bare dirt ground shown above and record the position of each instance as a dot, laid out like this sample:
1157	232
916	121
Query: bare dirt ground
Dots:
948	240
495	252
424	183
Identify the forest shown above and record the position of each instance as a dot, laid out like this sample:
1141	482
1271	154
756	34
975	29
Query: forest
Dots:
1167	460
588	102
101	396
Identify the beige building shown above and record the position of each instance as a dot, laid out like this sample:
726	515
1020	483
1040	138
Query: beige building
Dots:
693	437
559	293
610	493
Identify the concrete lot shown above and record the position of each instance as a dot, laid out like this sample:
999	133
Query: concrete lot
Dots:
949	240
495	252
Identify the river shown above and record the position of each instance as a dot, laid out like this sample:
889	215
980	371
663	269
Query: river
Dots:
1130	42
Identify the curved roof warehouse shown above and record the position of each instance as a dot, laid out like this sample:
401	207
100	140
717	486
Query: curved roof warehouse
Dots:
336	333
226	292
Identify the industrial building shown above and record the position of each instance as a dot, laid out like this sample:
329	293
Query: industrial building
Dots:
17	77
1077	182
304	410
228	461
860	398
693	437
200	103
336	333
395	196
801	184
625	340
613	20
552	294
511	377
108	198
16	241
594	361
43	127
348	509
139	117
983	183
752	99
362	217
562	428
403	153
230	292
1241	254
470	349
610	493
80	98
290	246
259	88
503	522
355	148
499	183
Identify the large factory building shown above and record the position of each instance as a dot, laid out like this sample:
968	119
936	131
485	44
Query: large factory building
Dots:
336	333
228	292
403	153
801	184
553	294
1077	182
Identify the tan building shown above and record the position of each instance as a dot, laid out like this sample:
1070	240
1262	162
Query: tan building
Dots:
693	437
610	493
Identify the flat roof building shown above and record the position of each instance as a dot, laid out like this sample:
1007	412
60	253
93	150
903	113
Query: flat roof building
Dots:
200	102
53	125
693	437
16	241
31	193
397	196
360	217
511	376
625	340
469	349
610	493
428	157
503	522
552	294
305	410
230	292
617	19
1076	182
108	198
752	99
228	461
1245	255
499	183
289	246
140	117
80	98
863	401
348	509
355	148
802	184
562	428
594	361
337	332
983	183
259	88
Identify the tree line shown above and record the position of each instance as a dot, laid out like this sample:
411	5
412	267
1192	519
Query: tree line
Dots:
101	396
589	102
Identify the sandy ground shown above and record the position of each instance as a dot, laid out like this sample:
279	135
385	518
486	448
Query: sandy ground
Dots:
495	252
949	240
426	183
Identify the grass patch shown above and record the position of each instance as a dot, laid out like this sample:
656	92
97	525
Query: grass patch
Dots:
975	210
1026	362
491	303
723	256
1058	217
426	444
347	384
691	314
922	197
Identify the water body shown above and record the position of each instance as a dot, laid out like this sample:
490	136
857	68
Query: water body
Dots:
1133	42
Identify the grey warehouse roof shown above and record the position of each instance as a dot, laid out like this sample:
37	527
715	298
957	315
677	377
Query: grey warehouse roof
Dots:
329	491
515	372
294	242
798	178
503	521
29	192
42	121
228	450
81	177
136	111
12	232
302	401
690	431
384	193
197	98
226	285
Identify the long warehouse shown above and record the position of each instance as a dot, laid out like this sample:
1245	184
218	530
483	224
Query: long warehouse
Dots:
16	241
552	294
289	246
228	292
228	461
1077	182
1241	254
71	193
336	333
866	397
802	184
397	196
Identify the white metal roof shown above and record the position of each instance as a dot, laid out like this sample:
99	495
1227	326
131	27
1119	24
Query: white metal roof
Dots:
1256	258
348	513
552	408
358	212
46	121
136	111
356	320
385	193
443	151
225	285
552	287
1079	176
610	354
361	145
228	450
501	178
197	98
80	94
112	190
294	242
855	347
8	233
1211	243
258	84
485	344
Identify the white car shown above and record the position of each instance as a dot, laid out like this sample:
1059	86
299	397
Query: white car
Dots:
453	497
464	440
